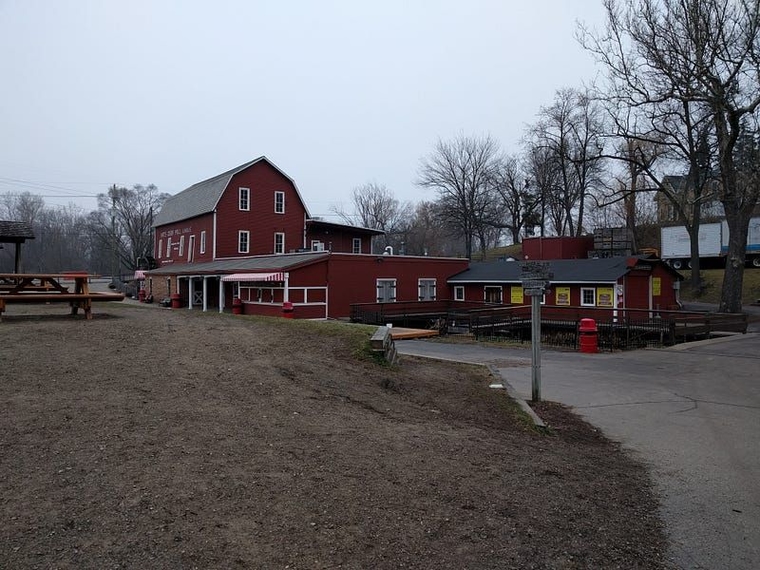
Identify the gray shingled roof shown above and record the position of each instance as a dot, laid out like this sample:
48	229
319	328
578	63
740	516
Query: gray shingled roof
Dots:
263	262
202	197
606	270
11	231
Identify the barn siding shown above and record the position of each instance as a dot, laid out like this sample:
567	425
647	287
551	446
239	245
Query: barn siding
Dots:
186	229
263	180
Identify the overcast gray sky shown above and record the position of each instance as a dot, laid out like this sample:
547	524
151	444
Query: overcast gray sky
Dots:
336	93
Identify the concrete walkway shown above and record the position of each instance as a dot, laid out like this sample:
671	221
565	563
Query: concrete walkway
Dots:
692	413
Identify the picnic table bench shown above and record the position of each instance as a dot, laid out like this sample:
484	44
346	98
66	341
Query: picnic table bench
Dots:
47	288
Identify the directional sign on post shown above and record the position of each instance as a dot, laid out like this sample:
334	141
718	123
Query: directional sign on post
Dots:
535	281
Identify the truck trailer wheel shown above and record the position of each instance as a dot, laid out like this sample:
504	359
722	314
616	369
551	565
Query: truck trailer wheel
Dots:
756	262
677	264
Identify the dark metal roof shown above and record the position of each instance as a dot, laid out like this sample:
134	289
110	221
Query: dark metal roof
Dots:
202	197
283	262
15	232
606	270
327	225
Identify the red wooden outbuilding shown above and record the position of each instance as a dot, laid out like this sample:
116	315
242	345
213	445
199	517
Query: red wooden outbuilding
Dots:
598	286
315	284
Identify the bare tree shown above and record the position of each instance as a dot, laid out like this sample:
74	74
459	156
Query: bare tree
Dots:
679	64
517	200
61	240
123	223
427	234
543	172
570	131
375	207
461	171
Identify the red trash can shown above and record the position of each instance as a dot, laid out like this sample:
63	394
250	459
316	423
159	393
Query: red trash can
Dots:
237	306
287	310
141	295
589	343
176	301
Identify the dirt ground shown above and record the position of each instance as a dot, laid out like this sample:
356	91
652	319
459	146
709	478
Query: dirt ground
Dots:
152	438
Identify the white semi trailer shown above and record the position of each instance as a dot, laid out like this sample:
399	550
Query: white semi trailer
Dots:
675	244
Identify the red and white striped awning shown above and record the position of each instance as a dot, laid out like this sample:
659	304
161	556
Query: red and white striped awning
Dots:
254	277
139	274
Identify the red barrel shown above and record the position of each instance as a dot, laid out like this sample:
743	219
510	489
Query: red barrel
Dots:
287	310
237	306
588	336
176	301
141	295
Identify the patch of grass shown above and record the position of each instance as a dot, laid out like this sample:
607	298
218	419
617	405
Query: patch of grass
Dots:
713	283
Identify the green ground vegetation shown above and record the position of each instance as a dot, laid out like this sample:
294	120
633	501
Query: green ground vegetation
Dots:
713	281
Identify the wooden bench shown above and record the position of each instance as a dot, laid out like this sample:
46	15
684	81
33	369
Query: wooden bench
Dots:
75	300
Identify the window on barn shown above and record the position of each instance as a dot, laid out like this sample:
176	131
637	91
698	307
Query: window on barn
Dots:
191	249
169	247
244	238
160	248
279	242
357	245
203	241
244	199
279	202
426	289
317	245
459	293
588	296
386	290
492	294
181	245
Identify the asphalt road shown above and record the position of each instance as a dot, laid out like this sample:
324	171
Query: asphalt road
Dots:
691	412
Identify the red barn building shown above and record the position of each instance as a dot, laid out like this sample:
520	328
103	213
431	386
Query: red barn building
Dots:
247	234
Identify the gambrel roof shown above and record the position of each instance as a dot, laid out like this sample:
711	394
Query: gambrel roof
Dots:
202	197
605	270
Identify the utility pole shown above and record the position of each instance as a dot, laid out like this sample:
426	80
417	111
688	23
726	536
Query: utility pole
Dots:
113	234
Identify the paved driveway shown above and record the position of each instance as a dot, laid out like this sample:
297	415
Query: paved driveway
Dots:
691	412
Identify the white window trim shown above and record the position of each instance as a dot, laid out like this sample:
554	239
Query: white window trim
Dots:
282	249
354	243
247	241
394	288
168	247
203	242
247	193
276	194
191	249
160	248
593	296
427	281
181	245
485	291
457	290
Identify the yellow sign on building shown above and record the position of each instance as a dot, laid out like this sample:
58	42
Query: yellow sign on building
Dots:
656	286
516	296
605	297
563	295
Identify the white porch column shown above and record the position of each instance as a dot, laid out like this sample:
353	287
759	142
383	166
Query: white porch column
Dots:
189	293
221	294
205	293
286	293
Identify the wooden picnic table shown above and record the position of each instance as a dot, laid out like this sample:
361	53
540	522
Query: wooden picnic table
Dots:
48	288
